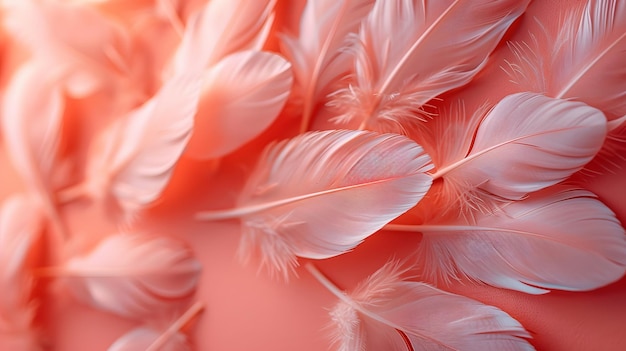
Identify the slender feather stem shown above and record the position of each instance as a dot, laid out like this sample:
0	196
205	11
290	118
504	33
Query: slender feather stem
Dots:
180	323
72	193
616	123
172	17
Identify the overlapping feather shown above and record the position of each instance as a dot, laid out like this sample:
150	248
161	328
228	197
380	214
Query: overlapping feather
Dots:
527	142
558	238
220	28
386	312
84	59
133	275
21	223
242	95
131	163
318	53
443	45
362	180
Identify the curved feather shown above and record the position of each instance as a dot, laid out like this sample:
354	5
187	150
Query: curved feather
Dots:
386	312
242	95
134	275
559	238
526	143
83	58
134	158
584	61
21	223
150	339
220	28
317	53
362	180
395	78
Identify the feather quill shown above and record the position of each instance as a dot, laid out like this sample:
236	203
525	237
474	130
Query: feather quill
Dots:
318	54
362	180
20	228
220	28
133	275
386	312
150	339
84	59
558	238
242	95
527	142
132	161
394	78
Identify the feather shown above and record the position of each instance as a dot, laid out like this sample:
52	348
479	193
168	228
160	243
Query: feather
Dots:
134	158
84	58
20	228
395	78
525	143
362	180
32	118
133	275
150	339
584	61
242	95
317	53
386	312
220	28
558	238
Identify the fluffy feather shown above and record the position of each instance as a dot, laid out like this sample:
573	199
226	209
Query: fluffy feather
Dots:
362	180
83	58
386	312
150	339
318	54
558	238
220	28
20	229
134	158
395	78
526	143
133	275
242	95
584	61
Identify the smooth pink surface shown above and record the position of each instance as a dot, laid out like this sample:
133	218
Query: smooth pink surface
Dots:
247	310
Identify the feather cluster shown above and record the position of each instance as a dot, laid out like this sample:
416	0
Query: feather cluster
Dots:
334	121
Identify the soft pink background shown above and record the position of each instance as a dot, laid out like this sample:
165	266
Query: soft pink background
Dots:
246	310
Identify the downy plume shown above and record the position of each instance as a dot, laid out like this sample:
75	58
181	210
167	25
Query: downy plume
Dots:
220	28
559	238
395	75
318	54
241	97
133	159
527	142
82	59
386	312
147	338
361	179
21	224
133	275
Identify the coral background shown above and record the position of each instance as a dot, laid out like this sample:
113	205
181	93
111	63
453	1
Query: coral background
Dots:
248	310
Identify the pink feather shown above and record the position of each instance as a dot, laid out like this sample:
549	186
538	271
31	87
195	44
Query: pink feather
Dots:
133	275
242	95
152	339
527	142
133	160
220	28
559	238
362	180
388	313
318	54
21	224
84	59
395	75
